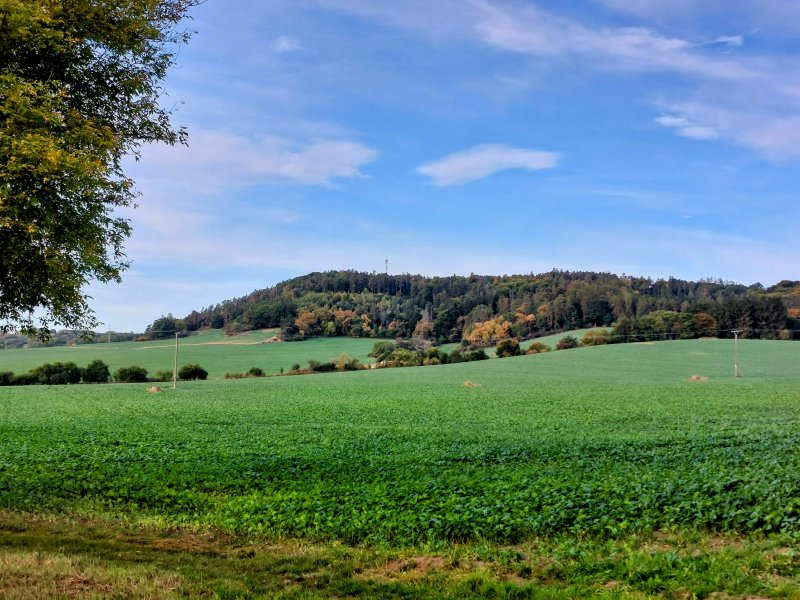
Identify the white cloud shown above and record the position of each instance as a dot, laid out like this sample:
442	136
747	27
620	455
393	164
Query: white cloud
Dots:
730	40
750	99
779	17
482	161
687	128
219	159
775	133
284	44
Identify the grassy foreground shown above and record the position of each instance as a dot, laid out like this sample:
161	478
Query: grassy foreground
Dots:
48	557
623	471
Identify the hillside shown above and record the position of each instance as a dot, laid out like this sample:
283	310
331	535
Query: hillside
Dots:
450	309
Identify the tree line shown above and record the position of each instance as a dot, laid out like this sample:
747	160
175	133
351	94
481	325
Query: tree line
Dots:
485	309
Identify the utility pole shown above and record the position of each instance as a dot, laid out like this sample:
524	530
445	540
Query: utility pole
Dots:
736	333
386	260
175	368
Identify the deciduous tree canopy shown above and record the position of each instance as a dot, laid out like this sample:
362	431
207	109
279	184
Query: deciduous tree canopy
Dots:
80	88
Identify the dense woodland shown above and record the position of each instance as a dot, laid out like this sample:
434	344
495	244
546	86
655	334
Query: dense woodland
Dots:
481	310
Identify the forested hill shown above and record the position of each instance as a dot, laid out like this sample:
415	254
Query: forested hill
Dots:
484	308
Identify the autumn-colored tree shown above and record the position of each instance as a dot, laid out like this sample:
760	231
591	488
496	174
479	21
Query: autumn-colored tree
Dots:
488	333
423	330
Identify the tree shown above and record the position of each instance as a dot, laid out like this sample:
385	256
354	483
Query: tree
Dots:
508	347
134	374
80	83
382	349
187	372
96	372
165	327
57	373
567	343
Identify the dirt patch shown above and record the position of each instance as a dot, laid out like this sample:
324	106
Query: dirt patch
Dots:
471	384
81	585
418	565
697	379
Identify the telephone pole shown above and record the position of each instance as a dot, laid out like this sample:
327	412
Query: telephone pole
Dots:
175	368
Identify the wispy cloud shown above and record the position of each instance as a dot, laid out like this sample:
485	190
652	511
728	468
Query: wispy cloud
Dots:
729	40
773	133
780	17
687	128
219	159
284	44
716	90
484	160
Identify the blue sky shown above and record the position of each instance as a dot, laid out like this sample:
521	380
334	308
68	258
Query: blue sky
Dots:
647	137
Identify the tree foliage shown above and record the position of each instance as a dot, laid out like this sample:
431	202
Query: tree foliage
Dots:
485	309
568	342
57	373
80	83
133	374
96	372
508	347
193	371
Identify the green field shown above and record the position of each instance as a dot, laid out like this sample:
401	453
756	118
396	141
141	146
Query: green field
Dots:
602	443
213	350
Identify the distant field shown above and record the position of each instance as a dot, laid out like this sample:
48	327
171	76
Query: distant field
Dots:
602	441
213	350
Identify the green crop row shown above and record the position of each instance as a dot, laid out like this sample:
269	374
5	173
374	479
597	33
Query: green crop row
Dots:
414	455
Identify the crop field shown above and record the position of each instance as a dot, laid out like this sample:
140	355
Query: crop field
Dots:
213	350
596	443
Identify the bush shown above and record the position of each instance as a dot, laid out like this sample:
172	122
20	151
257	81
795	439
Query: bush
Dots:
25	379
507	348
229	375
6	377
255	372
319	367
96	372
596	337
381	350
163	376
191	372
567	342
346	363
476	355
132	374
57	373
538	348
295	367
